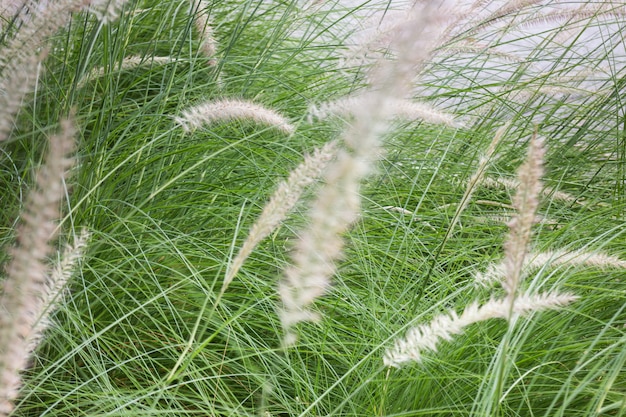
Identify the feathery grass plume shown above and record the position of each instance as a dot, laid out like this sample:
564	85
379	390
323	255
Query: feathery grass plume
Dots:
379	37
400	210
510	183
405	109
11	7
127	63
587	11
508	10
227	110
19	78
55	284
10	10
24	52
26	272
471	47
106	11
281	203
526	202
444	327
338	201
405	212
506	216
412	44
532	92
320	245
576	257
22	55
495	272
477	176
202	23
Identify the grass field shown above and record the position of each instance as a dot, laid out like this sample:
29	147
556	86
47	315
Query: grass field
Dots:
406	221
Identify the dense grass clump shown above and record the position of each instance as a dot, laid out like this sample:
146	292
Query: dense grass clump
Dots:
290	208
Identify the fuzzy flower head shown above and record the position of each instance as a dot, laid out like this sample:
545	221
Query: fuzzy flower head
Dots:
526	202
106	11
427	337
228	110
24	288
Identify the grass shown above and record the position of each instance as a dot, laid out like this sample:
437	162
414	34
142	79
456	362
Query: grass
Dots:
143	331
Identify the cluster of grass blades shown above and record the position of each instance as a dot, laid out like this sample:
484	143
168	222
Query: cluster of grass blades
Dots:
144	329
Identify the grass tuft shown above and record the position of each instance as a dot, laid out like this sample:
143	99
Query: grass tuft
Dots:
243	167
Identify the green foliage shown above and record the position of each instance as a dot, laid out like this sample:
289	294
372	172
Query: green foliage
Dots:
144	332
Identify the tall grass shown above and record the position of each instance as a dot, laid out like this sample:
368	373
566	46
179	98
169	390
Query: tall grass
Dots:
165	318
